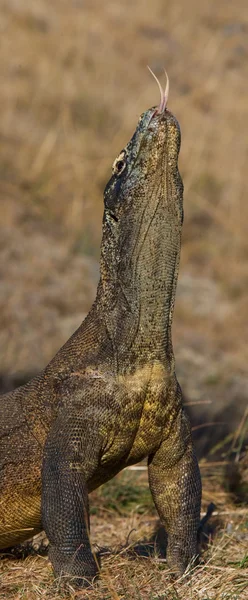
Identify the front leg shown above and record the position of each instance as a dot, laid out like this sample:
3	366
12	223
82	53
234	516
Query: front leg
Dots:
175	484
70	457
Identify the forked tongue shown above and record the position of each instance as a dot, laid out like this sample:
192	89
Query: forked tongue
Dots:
163	93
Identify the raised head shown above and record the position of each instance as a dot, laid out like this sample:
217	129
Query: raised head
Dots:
145	175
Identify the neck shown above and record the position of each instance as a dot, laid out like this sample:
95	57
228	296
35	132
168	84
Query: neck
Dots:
136	298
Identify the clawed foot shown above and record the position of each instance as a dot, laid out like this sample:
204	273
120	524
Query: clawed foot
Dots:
80	568
180	559
37	545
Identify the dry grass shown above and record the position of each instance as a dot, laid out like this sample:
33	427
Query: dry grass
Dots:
73	82
131	568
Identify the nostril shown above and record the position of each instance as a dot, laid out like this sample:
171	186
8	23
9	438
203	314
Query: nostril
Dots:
113	217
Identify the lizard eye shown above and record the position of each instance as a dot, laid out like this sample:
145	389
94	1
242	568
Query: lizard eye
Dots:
119	164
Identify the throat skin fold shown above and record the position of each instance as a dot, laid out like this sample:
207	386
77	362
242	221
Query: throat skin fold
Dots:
139	311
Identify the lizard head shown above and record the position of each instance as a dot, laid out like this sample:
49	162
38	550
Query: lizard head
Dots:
143	198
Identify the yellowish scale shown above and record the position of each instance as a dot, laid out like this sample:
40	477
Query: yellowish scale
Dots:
142	412
22	518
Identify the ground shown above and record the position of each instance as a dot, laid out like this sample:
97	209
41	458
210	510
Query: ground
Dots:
73	83
125	529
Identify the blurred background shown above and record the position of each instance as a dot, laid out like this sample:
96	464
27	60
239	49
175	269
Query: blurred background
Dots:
73	84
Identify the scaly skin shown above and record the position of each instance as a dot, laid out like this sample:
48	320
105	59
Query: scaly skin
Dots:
110	396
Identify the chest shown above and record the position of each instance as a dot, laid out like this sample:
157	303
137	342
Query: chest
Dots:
139	428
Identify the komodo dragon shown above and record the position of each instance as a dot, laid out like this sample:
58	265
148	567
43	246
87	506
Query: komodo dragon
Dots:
110	397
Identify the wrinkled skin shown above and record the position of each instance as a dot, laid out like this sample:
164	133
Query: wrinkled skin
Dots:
110	396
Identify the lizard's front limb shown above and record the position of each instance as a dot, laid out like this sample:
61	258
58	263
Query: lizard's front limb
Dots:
175	484
70	456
